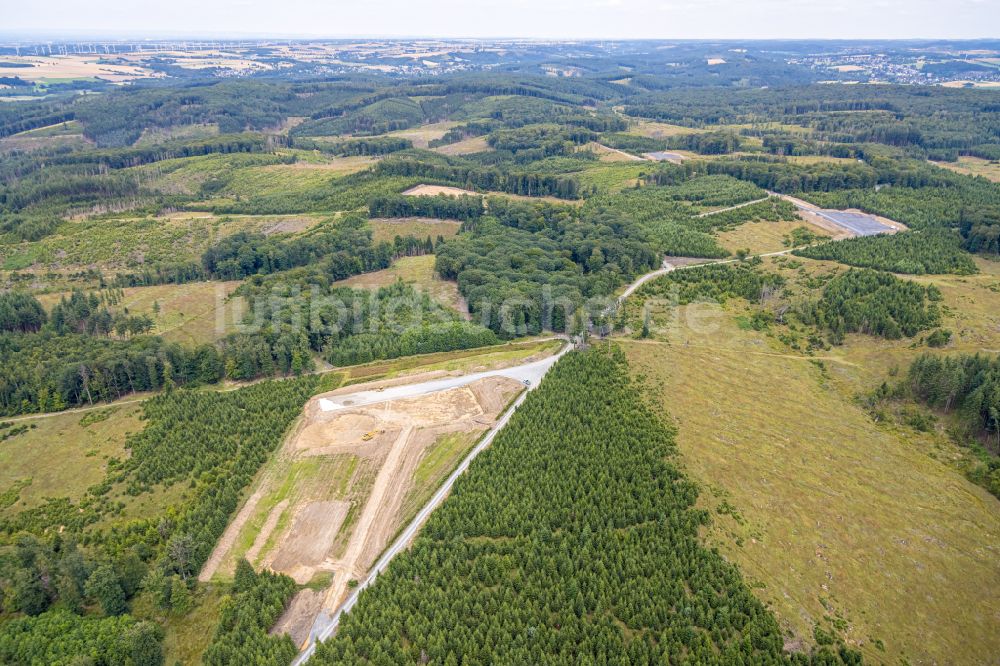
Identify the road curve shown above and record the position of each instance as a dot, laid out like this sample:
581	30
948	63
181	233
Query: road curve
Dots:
325	625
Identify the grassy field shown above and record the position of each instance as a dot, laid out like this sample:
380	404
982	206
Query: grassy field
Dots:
69	133
762	237
974	166
68	128
436	463
606	154
836	521
476	144
868	529
418	271
971	311
192	313
28	142
658	130
65	454
187	636
422	135
126	244
299	178
386	229
184	175
614	176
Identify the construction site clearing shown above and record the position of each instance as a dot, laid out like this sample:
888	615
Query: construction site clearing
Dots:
347	480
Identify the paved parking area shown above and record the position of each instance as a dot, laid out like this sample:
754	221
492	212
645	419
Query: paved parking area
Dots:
662	156
858	223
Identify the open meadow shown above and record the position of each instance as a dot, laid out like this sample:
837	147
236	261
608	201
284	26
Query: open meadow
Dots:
837	522
720	330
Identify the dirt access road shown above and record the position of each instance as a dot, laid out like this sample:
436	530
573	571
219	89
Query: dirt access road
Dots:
727	208
325	624
328	619
352	398
529	372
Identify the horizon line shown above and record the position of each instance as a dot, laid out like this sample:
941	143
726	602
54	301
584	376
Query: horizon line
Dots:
128	35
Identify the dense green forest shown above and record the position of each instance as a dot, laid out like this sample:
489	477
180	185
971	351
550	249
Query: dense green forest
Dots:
714	282
345	247
522	282
677	216
917	253
61	638
255	603
347	326
576	533
463	208
47	371
214	443
967	204
967	384
874	303
290	180
942	125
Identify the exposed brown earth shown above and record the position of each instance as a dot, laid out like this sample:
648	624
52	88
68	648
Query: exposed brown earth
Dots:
315	530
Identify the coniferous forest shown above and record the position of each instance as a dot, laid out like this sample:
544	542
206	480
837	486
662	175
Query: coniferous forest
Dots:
196	239
573	540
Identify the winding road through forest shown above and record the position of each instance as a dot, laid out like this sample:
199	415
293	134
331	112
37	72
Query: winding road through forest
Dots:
532	373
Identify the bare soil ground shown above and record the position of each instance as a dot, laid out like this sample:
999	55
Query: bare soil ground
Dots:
432	190
298	617
344	483
608	154
310	537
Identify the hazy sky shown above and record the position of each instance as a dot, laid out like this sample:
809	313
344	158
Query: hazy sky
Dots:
618	19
